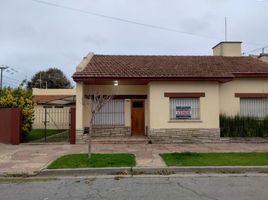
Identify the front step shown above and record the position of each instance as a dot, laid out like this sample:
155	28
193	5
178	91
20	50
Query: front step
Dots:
120	140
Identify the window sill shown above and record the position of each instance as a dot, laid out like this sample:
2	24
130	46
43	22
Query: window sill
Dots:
183	121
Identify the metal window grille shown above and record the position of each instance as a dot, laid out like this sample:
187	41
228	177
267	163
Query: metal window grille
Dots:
193	103
253	107
111	114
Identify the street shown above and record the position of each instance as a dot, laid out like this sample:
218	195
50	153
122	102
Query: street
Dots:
218	187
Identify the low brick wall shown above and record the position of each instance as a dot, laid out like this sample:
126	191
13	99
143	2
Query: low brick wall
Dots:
122	131
184	135
243	140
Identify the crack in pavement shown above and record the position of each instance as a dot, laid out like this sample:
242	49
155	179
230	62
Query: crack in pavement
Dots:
201	195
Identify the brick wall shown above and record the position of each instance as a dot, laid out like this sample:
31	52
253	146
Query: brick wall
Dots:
184	135
121	131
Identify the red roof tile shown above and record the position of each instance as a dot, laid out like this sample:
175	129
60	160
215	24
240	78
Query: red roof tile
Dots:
120	66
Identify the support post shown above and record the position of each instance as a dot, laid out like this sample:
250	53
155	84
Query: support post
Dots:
72	126
45	125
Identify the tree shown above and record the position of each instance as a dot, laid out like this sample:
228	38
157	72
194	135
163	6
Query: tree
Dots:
19	98
95	101
51	78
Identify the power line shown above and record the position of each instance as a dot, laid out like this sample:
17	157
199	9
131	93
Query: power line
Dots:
13	79
120	19
128	21
253	50
6	82
12	70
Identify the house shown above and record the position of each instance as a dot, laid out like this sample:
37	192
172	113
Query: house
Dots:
263	56
53	105
171	98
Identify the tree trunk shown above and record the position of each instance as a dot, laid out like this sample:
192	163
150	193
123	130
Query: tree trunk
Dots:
89	140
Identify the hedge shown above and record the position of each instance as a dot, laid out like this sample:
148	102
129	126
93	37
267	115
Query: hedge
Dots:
238	126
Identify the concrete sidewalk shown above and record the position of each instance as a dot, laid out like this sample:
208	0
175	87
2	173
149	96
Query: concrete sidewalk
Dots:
26	158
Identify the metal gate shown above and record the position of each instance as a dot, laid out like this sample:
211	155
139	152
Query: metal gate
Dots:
51	124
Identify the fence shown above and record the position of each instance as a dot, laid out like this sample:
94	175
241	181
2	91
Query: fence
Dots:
10	125
55	118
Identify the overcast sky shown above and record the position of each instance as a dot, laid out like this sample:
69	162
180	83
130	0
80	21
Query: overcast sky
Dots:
35	36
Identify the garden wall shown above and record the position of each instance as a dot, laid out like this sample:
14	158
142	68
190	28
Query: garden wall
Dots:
10	125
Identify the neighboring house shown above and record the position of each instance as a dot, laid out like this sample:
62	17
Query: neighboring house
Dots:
55	105
263	56
171	98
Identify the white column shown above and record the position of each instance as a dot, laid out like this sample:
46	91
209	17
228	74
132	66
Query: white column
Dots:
79	106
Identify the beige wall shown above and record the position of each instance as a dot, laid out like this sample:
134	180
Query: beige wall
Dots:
116	90
263	58
159	105
227	49
228	103
37	91
80	106
219	98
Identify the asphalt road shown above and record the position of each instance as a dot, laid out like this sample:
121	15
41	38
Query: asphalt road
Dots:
117	188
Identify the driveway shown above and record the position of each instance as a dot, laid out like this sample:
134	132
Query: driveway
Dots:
26	158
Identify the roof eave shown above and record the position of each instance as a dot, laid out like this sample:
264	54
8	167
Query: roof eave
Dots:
148	79
251	75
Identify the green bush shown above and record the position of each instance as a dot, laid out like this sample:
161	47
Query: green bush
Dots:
19	98
237	126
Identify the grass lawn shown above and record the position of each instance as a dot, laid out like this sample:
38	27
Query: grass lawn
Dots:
215	159
96	160
37	134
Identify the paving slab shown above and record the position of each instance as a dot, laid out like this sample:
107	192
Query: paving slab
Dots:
27	158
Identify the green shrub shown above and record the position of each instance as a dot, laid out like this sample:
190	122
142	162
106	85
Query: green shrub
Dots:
19	98
237	126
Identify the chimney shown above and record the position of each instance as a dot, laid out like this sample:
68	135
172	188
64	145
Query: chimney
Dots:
227	48
263	56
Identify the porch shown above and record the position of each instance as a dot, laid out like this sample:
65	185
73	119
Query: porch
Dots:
125	115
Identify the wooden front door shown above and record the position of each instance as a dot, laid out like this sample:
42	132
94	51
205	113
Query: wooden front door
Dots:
137	117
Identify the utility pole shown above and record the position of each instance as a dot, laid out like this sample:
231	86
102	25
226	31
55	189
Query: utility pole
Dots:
2	68
40	80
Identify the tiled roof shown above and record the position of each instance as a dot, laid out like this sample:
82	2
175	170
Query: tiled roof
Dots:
121	66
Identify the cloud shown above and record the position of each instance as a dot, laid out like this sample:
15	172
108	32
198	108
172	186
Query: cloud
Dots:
34	36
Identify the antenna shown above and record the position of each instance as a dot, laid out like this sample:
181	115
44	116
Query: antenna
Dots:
225	28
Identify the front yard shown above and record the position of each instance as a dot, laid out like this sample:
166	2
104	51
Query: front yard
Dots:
215	159
39	134
96	160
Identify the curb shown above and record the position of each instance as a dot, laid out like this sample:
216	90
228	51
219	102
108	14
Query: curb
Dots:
152	171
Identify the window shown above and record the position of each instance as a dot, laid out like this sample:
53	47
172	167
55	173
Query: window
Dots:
253	107
184	109
111	114
137	104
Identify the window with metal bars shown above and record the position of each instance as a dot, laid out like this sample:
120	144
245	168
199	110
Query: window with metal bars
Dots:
253	107
184	108
111	114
